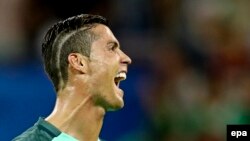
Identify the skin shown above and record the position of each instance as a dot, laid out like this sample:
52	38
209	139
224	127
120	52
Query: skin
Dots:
90	90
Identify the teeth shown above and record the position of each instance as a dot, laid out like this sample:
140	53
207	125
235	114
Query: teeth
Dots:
121	75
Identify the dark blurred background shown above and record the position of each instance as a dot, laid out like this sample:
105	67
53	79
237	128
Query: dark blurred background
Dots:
189	78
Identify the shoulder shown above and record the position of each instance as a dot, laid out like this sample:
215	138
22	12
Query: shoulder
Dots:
41	131
29	135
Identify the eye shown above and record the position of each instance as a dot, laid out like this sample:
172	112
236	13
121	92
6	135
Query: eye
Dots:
113	47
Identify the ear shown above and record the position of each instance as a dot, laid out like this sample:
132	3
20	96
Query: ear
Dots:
78	62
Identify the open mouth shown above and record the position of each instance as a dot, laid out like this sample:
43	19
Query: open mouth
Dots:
119	77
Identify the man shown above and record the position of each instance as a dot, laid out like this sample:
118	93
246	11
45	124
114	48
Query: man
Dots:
83	59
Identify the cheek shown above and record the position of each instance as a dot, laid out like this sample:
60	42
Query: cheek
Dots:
102	72
104	65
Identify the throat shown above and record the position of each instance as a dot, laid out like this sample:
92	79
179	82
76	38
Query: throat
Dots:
82	121
87	125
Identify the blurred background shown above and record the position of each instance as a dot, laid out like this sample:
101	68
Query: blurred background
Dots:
188	80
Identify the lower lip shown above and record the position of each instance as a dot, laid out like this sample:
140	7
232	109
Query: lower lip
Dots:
120	91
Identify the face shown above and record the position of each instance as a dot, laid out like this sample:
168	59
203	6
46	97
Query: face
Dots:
107	67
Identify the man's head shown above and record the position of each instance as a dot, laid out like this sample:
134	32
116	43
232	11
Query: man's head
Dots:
86	45
65	37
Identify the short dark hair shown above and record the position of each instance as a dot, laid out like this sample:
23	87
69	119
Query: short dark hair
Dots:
72	35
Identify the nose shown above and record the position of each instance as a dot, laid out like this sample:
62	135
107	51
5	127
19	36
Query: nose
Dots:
125	59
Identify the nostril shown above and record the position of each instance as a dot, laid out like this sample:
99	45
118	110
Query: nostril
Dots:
127	60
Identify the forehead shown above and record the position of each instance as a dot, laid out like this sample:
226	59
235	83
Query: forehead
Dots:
104	33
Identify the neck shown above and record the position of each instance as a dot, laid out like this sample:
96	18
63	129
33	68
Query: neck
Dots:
77	116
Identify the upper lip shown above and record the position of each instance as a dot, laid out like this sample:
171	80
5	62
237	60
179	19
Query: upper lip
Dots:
125	71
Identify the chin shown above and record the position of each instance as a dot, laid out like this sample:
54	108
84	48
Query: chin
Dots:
115	106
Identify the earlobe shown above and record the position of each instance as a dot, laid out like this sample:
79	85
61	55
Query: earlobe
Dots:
77	62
